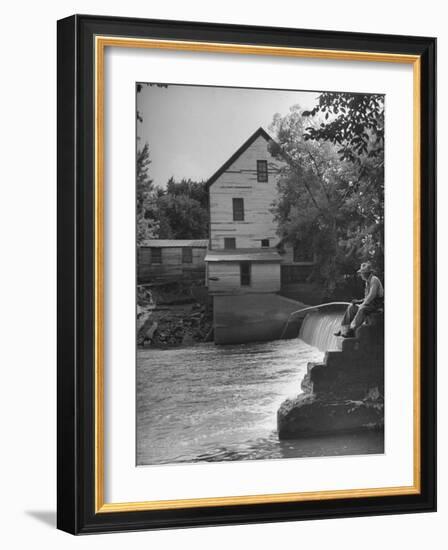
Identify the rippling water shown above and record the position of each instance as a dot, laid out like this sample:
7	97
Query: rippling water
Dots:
214	403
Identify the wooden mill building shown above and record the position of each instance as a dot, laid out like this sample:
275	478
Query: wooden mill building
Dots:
246	260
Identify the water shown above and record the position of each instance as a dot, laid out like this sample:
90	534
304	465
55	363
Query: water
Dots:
215	403
318	329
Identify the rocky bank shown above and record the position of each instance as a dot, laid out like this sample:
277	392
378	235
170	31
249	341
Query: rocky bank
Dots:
343	393
172	314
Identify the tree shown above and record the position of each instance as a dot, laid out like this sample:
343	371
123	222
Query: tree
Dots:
179	212
325	198
354	122
147	217
183	210
194	189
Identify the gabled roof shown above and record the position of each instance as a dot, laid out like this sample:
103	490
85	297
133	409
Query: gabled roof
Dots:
175	243
260	132
243	254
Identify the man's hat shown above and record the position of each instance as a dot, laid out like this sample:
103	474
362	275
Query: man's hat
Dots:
366	267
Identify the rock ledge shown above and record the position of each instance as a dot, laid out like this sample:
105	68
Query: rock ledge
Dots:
344	393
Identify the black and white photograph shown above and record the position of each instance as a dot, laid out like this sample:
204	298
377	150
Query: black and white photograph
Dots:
260	268
224	219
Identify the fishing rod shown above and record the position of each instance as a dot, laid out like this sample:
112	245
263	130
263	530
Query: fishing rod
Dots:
308	308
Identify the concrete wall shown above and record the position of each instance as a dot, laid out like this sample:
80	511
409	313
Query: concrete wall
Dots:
240	181
252	318
265	277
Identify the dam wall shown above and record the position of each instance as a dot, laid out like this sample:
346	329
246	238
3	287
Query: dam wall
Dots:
256	317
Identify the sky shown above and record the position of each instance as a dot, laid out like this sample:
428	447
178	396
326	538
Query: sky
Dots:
193	130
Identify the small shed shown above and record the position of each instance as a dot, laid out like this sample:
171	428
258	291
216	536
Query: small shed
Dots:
164	259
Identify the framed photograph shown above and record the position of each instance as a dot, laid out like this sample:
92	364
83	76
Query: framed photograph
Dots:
246	274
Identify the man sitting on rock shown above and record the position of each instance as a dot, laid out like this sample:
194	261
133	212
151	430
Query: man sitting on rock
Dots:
358	310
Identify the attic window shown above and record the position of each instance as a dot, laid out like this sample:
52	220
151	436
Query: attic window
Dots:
262	170
265	243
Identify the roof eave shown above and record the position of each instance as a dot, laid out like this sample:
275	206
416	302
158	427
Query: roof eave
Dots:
260	132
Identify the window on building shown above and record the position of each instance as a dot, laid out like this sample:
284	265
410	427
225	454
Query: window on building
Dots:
265	243
262	170
229	242
245	272
238	210
156	255
187	255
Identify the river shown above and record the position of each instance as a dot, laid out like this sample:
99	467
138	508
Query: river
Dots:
216	403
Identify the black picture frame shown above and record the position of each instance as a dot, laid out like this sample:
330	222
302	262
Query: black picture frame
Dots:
76	286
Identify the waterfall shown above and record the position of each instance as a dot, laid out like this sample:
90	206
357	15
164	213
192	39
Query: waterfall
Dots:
318	329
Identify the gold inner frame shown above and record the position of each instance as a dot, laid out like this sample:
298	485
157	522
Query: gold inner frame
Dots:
101	42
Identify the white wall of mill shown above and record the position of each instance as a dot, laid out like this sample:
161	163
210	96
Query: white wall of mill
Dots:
265	277
240	181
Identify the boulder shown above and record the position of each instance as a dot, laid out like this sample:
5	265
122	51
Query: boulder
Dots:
308	415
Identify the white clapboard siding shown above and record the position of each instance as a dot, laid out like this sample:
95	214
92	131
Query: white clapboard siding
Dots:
240	181
171	262
265	277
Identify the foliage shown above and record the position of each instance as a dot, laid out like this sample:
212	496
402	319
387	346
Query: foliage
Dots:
193	189
183	210
354	122
147	218
328	199
178	212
